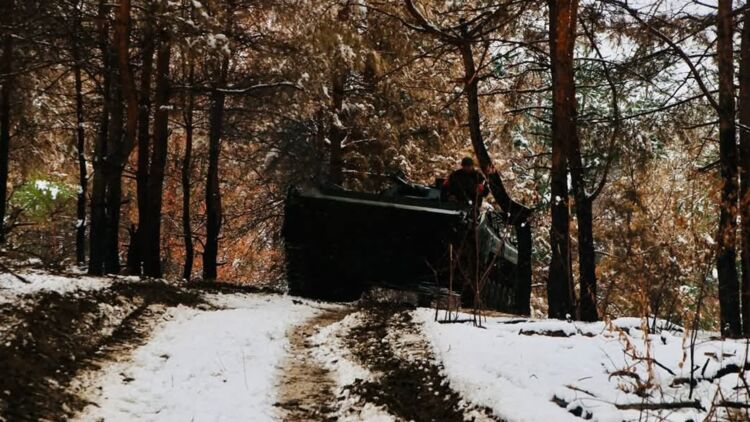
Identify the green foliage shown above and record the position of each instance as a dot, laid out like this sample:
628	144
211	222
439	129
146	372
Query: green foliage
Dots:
39	198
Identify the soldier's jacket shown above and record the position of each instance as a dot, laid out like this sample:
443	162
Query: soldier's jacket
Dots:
466	187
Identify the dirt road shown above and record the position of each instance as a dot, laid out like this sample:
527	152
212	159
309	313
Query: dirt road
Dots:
52	342
306	389
407	383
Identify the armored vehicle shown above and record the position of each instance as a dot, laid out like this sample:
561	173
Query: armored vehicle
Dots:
340	242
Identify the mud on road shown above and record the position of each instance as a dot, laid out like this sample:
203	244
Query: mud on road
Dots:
412	385
306	391
408	384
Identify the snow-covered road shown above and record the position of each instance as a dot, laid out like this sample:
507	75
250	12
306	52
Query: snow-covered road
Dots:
119	350
203	365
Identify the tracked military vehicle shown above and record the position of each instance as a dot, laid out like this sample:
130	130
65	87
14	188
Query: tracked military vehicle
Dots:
340	243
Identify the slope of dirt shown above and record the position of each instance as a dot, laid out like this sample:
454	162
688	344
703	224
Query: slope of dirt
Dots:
53	336
306	390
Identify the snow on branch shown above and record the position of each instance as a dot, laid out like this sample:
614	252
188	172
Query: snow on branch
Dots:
261	87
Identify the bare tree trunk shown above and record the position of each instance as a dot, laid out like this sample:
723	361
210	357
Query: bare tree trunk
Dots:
585	218
213	191
726	254
122	41
152	234
80	149
562	24
6	69
523	285
518	213
744	169
586	251
121	138
112	175
187	229
99	186
113	200
135	259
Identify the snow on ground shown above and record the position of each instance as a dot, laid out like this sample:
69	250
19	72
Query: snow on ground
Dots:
11	288
203	364
332	352
596	369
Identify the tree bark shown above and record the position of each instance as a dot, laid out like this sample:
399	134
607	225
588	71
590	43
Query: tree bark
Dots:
121	137
112	176
213	191
80	148
152	234
523	283
726	238
187	229
586	257
744	169
562	26
99	185
122	41
584	205
6	69
135	258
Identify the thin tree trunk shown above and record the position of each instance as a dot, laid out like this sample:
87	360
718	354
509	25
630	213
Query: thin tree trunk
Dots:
80	152
726	254
585	219
518	213
152	236
586	254
213	191
523	284
122	41
99	186
744	169
112	174
562	25
121	138
187	230
6	68
135	259
113	200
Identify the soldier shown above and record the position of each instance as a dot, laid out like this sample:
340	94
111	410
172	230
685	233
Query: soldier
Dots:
466	185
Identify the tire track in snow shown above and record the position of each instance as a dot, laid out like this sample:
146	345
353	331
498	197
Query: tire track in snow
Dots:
386	371
307	389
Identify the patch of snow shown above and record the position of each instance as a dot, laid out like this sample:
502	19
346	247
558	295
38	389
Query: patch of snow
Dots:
44	185
11	288
597	367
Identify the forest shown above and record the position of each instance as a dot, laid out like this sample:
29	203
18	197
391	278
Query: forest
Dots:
158	138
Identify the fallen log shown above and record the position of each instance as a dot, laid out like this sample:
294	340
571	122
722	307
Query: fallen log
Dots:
554	333
734	405
660	406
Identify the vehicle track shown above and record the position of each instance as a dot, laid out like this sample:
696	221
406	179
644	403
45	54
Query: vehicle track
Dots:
306	390
408	382
412	385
